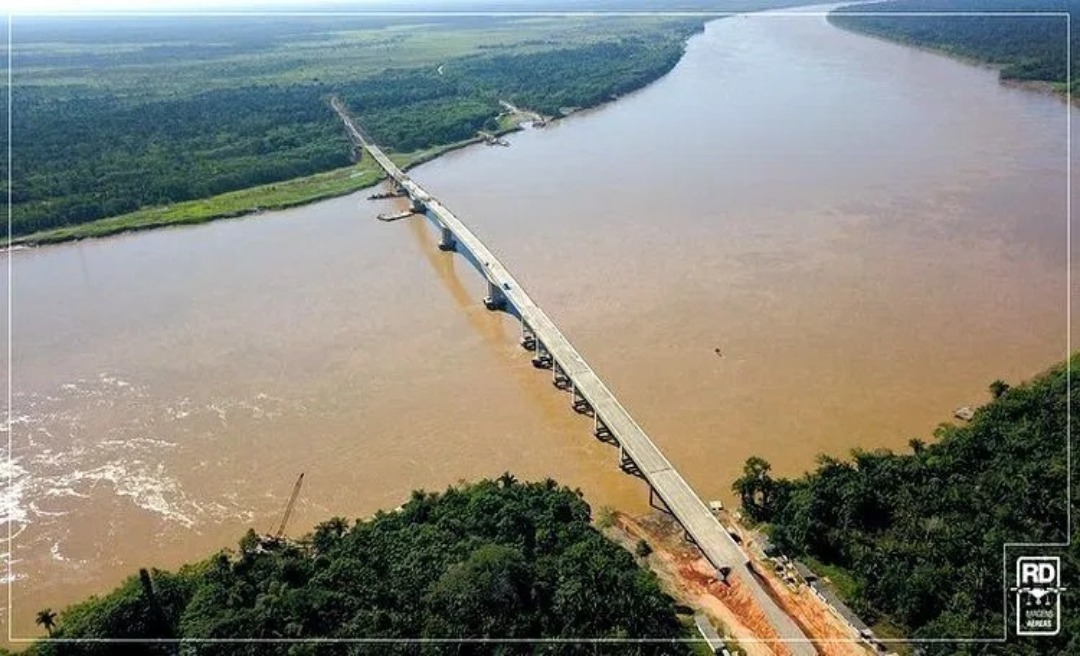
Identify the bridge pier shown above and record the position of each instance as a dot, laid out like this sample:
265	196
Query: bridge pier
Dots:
600	430
542	359
578	402
528	337
662	506
447	243
495	299
417	206
559	378
627	464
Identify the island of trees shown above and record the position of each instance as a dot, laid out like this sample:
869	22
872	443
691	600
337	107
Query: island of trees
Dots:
917	539
499	559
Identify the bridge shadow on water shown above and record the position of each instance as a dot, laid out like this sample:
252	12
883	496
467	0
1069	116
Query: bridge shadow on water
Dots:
502	338
488	324
499	334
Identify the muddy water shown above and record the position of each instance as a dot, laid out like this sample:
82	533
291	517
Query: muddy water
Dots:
868	233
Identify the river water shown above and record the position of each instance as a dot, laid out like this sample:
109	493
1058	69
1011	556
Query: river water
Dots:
870	234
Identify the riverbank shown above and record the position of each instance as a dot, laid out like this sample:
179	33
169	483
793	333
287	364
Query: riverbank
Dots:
245	202
269	197
156	139
275	196
499	559
1022	63
1059	90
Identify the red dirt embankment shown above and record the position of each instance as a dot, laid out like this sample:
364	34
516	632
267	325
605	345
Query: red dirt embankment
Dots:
690	579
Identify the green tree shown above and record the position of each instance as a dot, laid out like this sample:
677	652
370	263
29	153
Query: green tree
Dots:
498	558
328	533
918	536
46	619
756	488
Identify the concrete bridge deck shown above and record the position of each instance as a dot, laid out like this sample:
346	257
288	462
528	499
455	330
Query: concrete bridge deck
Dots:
700	524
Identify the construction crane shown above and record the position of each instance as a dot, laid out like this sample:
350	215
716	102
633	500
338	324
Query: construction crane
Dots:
288	509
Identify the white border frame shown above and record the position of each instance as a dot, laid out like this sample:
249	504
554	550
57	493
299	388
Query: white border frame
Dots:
714	15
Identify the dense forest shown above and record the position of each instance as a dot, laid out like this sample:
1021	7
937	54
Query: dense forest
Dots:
497	559
922	534
98	157
1025	47
410	110
107	126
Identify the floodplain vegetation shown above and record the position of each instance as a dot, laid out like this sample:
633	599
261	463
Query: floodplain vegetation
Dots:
1030	48
915	541
126	123
497	560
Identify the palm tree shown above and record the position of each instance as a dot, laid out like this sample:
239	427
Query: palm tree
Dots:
507	479
47	619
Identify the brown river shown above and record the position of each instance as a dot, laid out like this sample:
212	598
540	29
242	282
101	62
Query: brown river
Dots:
870	234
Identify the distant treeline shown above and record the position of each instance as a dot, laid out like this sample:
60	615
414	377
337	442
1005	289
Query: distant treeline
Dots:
922	535
414	109
497	559
1025	47
83	153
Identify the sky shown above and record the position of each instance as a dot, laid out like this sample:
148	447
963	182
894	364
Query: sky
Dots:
53	6
35	6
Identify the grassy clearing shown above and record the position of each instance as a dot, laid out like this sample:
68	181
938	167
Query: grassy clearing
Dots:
275	196
886	630
697	644
242	51
840	579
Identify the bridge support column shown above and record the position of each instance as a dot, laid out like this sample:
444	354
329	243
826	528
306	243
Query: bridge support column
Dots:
495	299
447	243
578	402
627	464
600	429
657	502
528	337
418	207
559	378
542	359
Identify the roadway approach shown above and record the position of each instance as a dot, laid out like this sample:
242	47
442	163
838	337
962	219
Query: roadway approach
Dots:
611	422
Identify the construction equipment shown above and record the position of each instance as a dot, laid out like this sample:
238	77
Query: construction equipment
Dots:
288	509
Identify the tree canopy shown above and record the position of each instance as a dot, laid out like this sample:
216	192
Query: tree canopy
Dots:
114	122
496	559
922	534
1026	47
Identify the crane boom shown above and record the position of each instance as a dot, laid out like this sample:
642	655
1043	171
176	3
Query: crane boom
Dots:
289	508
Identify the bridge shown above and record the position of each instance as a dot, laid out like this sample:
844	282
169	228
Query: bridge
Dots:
638	454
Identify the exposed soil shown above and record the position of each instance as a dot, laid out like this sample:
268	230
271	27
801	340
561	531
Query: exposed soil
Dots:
689	578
